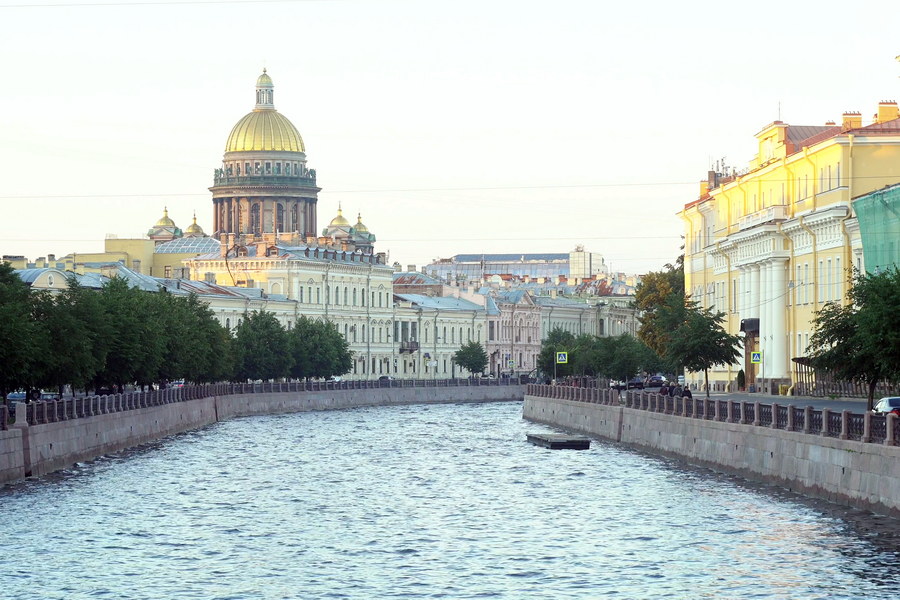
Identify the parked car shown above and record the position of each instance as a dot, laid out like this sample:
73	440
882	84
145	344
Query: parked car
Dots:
655	381
635	383
12	399
615	384
891	404
49	396
385	378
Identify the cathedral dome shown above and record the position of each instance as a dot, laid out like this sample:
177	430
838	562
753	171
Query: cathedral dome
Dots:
339	220
165	221
360	227
264	129
193	229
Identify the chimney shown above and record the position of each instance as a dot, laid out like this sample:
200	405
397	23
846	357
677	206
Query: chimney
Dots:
887	111
411	268
851	120
829	124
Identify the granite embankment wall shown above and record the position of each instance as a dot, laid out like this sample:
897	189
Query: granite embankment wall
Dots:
849	472
37	449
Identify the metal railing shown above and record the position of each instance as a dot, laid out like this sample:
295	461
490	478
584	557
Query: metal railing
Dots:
846	425
52	411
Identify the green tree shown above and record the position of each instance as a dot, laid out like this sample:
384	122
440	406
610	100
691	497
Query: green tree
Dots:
78	333
21	340
318	350
653	293
261	348
471	357
860	342
137	340
700	341
558	340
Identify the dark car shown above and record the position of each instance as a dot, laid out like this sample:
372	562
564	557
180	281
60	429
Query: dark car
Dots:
635	383
655	381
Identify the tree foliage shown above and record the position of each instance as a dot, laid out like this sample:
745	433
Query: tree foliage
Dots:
471	357
699	340
860	342
20	340
558	340
652	294
317	349
261	348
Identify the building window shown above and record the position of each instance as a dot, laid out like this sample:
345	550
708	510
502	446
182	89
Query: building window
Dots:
167	271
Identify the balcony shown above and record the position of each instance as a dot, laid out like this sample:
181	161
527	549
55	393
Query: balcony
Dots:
409	347
766	215
270	179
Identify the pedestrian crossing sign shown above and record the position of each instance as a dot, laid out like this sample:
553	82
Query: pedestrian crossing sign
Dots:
562	358
756	357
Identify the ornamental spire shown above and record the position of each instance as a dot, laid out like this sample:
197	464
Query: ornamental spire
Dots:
265	92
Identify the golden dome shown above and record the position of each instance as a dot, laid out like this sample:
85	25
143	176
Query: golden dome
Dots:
339	220
165	221
264	80
194	229
264	129
360	228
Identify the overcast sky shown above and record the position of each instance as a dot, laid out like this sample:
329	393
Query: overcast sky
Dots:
453	127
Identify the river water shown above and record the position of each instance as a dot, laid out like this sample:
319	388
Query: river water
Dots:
444	501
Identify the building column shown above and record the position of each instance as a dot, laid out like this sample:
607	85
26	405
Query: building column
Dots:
753	308
778	301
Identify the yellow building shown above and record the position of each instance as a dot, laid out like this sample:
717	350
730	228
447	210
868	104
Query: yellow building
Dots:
771	244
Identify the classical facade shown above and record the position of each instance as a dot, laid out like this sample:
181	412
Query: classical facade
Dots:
771	244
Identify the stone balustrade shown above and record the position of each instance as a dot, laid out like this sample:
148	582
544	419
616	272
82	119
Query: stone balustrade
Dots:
845	425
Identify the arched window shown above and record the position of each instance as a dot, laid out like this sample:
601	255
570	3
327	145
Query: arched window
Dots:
345	297
354	296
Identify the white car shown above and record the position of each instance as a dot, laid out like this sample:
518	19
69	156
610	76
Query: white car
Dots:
891	404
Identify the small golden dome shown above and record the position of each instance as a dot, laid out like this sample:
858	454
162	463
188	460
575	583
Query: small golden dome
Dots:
360	228
165	221
194	229
339	220
264	80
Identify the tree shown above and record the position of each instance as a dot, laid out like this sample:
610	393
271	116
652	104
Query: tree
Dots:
700	341
860	342
558	340
471	357
261	348
318	350
21	342
137	342
78	333
653	293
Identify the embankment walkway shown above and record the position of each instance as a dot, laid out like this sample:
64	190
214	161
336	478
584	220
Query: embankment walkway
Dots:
53	435
848	458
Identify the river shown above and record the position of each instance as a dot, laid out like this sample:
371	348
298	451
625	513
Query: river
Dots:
445	501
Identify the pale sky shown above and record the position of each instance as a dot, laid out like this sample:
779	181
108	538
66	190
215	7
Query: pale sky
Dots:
453	127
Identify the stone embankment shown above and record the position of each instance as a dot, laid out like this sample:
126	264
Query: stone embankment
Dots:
53	435
850	459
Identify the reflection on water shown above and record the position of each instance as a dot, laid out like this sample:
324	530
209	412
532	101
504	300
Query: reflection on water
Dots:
423	502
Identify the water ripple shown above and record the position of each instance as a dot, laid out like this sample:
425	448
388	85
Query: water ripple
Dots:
422	502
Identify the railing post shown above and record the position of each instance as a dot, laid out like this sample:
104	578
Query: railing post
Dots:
743	419
845	424
756	414
826	416
867	428
790	417
694	407
807	415
774	424
890	423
